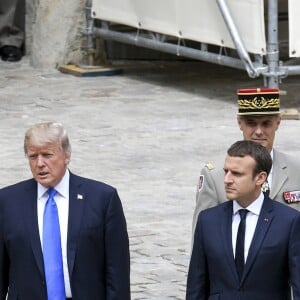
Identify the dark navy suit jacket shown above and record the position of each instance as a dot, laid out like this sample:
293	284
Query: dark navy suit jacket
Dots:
273	259
97	243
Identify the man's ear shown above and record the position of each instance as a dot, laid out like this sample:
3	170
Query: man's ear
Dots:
278	121
261	178
67	159
239	121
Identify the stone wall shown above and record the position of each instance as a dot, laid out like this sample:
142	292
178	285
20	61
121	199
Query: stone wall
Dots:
54	32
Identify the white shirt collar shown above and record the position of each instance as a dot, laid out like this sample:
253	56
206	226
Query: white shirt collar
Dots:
254	207
62	187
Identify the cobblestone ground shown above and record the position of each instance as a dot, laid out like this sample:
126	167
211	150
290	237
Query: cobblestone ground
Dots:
147	132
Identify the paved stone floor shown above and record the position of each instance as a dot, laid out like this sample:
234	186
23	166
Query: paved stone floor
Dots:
148	132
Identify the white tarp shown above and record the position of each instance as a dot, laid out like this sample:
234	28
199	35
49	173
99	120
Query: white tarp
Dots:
294	28
198	20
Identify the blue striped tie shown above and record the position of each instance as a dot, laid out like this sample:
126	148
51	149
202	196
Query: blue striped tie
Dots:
52	250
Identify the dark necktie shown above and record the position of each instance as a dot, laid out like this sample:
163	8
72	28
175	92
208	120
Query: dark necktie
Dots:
240	243
52	250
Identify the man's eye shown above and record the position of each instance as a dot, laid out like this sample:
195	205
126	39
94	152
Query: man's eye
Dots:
267	124
237	174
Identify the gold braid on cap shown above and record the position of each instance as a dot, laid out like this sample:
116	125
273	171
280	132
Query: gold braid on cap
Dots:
258	103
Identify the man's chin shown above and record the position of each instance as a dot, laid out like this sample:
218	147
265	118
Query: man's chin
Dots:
230	196
43	180
261	142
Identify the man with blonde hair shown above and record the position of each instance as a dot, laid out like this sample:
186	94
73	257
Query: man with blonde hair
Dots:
62	236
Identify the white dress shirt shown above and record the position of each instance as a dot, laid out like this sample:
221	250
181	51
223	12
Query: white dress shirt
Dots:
62	203
251	220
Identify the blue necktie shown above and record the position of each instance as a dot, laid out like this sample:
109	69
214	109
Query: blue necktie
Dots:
52	250
240	243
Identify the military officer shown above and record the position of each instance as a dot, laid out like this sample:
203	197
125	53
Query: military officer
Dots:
258	118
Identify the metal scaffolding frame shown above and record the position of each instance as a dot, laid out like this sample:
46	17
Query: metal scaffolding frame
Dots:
269	67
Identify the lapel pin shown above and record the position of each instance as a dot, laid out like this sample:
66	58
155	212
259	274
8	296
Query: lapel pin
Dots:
266	219
79	197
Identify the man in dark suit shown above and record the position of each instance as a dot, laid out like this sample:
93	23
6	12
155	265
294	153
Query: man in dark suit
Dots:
91	260
247	248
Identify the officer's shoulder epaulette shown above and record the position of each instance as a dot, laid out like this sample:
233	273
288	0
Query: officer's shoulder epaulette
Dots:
209	166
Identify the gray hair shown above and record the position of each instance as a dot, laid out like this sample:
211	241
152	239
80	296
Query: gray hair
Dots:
44	133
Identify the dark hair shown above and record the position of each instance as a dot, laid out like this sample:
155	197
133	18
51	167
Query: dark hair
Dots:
258	152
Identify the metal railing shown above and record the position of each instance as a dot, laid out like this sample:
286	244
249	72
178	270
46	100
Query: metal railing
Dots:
269	67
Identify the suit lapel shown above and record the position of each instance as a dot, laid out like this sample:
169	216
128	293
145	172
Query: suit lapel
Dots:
279	173
226	233
76	208
31	219
263	223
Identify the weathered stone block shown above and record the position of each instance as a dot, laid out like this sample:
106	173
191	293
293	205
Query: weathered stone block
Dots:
53	30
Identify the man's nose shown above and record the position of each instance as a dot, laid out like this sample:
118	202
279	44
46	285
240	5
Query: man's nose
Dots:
227	178
258	130
40	160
